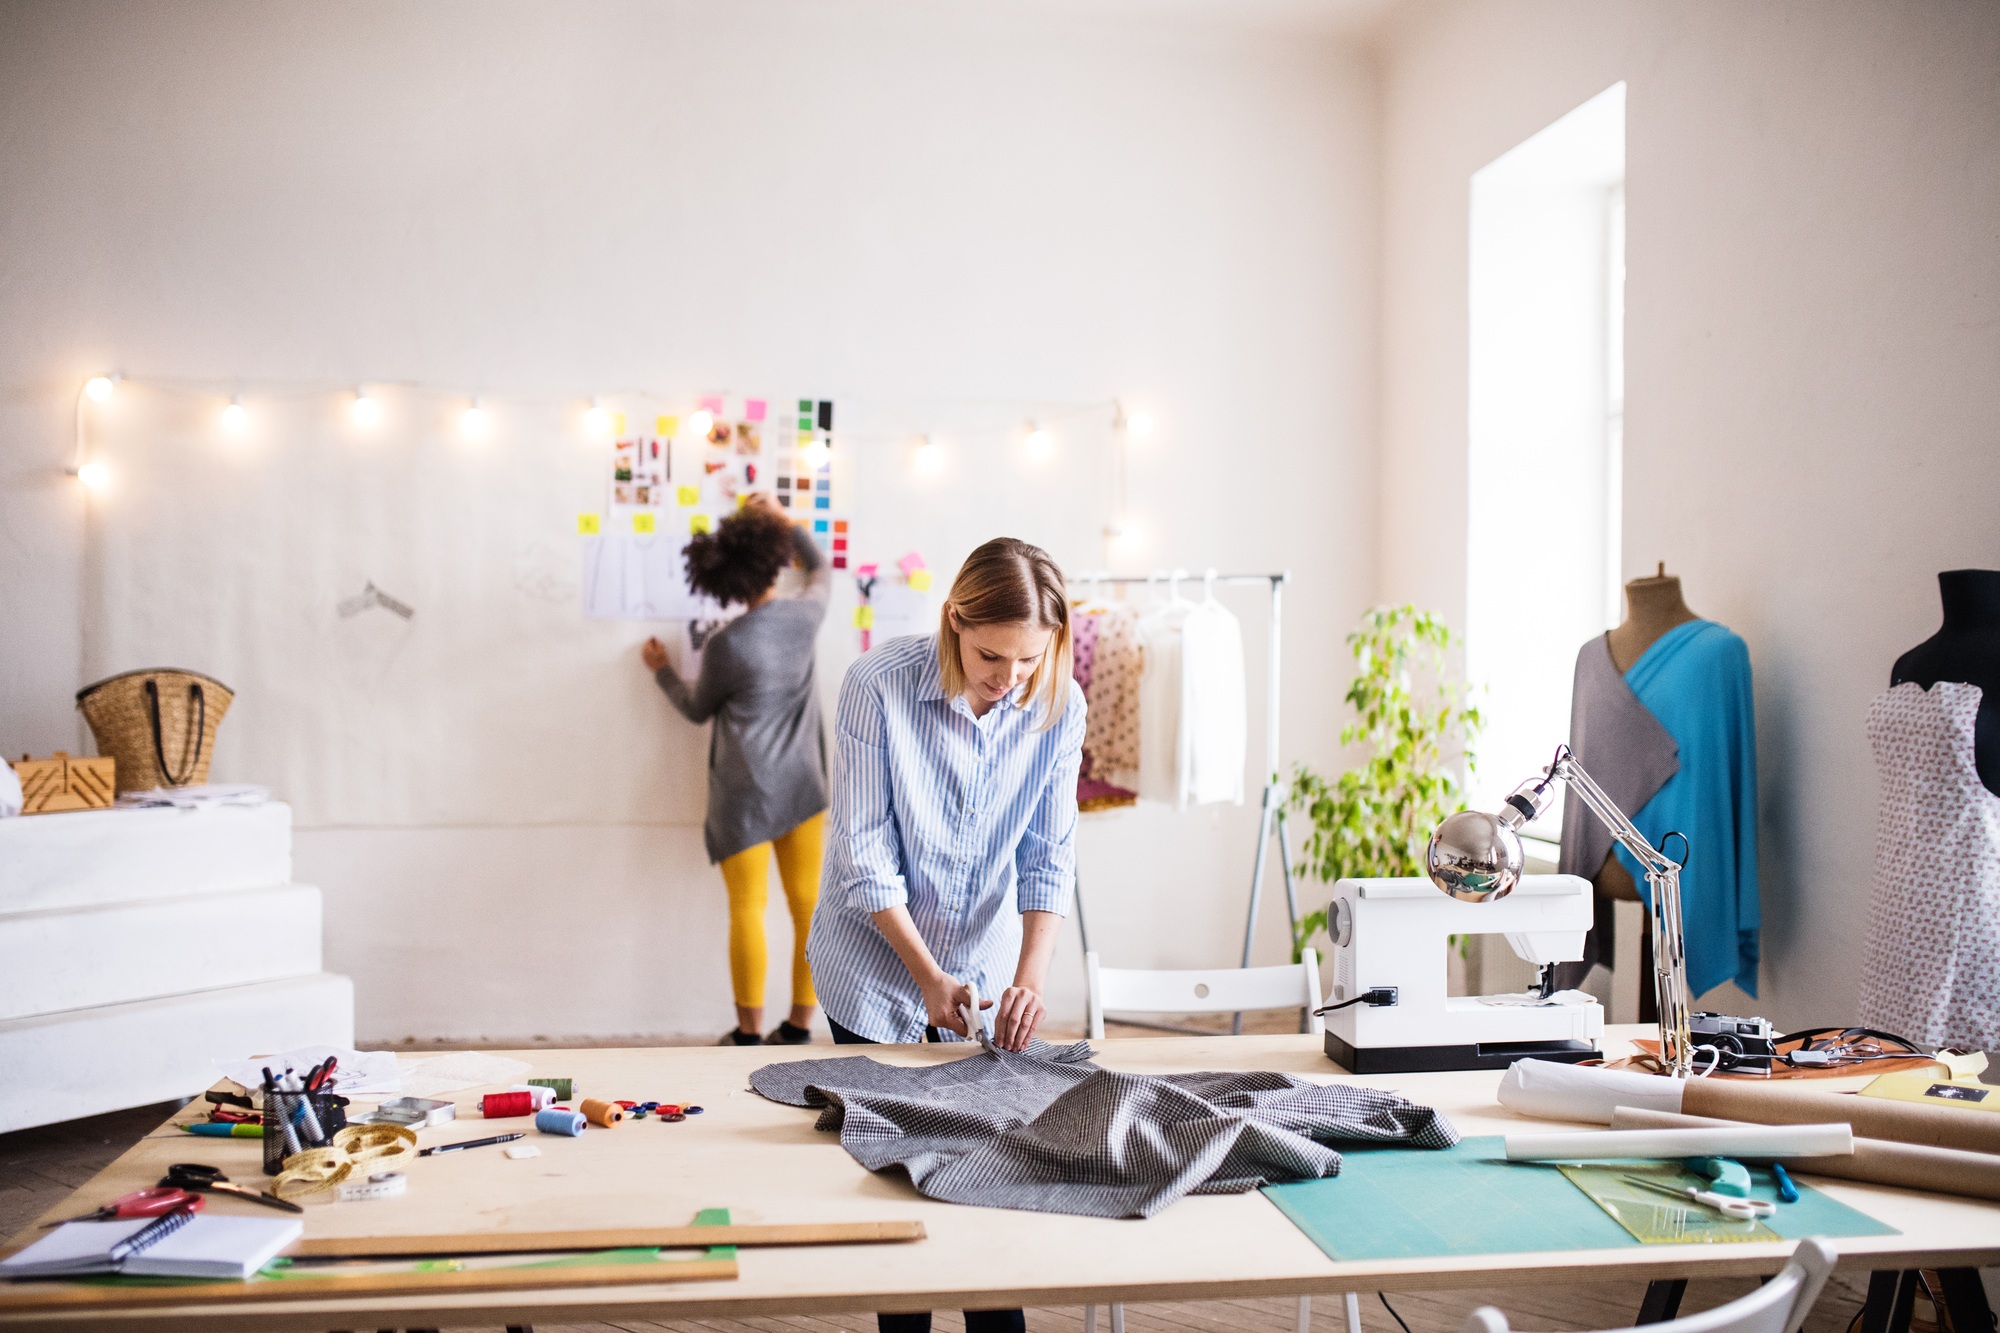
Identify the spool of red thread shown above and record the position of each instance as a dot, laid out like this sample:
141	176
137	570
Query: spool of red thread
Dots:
502	1105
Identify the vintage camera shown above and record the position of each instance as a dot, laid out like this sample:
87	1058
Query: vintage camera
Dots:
1738	1045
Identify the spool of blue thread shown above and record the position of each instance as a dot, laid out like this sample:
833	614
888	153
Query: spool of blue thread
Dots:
560	1120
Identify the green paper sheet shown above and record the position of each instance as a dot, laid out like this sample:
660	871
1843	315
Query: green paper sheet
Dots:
1409	1203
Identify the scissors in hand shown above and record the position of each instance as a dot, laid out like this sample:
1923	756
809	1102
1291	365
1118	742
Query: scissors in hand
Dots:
208	1179
140	1203
1722	1203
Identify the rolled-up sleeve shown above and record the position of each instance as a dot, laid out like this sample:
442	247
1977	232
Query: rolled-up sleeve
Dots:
864	854
1045	861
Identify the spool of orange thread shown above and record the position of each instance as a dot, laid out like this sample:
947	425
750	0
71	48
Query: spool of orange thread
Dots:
607	1114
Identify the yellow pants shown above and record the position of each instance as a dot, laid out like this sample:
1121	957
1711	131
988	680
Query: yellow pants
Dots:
748	877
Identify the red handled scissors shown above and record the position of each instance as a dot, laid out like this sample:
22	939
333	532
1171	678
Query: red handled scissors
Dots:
141	1203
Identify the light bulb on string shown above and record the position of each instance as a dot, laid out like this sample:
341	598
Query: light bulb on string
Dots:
596	419
701	422
367	412
815	454
927	454
1125	535
1139	425
94	476
472	421
99	387
234	418
1038	441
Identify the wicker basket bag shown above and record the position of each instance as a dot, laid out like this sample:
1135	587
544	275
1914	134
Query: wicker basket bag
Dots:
159	725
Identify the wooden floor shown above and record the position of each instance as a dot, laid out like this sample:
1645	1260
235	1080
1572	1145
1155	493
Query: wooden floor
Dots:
38	1167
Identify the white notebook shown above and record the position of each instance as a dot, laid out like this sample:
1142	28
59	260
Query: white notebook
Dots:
210	1245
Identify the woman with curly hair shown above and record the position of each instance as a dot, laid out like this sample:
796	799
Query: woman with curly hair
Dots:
767	754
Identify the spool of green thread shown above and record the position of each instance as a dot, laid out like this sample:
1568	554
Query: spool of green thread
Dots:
564	1088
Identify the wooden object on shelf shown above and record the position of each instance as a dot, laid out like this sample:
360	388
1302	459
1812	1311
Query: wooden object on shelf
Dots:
66	782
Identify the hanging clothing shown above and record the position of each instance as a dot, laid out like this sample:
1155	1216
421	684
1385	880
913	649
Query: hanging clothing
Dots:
1931	971
1620	744
1193	724
1695	679
1112	701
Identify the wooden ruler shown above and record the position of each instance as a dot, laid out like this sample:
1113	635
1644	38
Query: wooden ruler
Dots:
610	1238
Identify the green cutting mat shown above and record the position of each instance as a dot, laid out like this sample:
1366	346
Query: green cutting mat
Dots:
1409	1203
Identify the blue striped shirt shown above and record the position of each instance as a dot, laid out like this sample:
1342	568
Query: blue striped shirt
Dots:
968	821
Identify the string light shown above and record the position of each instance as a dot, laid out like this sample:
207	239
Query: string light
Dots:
95	476
1126	535
1038	440
367	412
1139	425
99	387
596	420
701	422
234	418
928	454
815	453
473	420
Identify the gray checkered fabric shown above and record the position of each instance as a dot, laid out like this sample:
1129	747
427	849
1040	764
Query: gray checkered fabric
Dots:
1048	1130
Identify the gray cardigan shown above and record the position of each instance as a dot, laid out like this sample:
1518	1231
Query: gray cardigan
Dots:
767	752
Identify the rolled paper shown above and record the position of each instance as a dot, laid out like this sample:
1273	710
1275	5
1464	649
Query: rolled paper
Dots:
1872	1117
1782	1141
1550	1090
560	1120
607	1114
1912	1166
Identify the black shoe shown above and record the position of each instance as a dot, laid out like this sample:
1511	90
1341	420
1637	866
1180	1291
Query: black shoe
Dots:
738	1037
786	1035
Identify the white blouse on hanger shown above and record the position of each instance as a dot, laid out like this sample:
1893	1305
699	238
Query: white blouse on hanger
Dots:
1193	728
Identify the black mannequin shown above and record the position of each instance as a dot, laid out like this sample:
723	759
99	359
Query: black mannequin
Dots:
1966	649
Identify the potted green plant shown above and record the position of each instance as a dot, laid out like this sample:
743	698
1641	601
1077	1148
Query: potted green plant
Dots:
1375	820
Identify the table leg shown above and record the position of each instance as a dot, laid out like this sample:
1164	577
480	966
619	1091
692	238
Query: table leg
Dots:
1663	1300
1965	1300
1891	1293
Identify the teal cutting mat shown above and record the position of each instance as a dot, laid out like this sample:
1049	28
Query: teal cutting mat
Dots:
1409	1203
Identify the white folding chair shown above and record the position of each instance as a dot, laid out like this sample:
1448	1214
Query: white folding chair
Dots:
1220	990
1779	1306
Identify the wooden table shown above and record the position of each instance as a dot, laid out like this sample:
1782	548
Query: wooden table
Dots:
766	1163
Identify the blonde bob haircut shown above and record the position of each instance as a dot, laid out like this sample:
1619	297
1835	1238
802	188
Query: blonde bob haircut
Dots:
1007	582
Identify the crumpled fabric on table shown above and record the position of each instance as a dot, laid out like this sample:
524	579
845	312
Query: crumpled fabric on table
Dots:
1049	1131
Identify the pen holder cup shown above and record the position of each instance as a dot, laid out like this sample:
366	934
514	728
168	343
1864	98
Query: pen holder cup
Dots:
329	1111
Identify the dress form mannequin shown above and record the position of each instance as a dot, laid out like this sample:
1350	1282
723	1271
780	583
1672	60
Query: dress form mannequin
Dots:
1966	649
1652	607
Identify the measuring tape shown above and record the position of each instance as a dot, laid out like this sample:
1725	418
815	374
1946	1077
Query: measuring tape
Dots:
321	1175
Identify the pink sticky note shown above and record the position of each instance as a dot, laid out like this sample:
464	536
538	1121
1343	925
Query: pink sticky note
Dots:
712	403
753	409
864	571
910	562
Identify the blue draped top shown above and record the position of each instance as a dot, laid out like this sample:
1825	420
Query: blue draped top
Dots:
1695	679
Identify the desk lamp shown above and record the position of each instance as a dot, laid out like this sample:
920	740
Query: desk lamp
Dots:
1476	857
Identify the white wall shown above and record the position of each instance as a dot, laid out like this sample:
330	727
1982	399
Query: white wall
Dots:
948	210
1813	358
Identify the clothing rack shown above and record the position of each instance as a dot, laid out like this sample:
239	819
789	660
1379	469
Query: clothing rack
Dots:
1272	819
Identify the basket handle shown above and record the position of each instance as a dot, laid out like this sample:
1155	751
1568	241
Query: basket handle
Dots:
200	732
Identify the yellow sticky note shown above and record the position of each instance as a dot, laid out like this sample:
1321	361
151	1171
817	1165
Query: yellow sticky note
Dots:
642	522
589	525
920	579
617	423
864	617
742	499
667	427
688	495
700	523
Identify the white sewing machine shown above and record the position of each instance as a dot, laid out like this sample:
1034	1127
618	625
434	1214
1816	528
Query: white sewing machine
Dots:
1392	933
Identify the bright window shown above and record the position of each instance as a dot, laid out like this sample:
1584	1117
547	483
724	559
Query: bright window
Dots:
1546	407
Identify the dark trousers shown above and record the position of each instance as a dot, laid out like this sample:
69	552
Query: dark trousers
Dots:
976	1321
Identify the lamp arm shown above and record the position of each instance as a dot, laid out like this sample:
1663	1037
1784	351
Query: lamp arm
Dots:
1567	769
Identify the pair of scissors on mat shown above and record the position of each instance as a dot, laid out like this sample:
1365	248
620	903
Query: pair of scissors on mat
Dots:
1721	1203
140	1203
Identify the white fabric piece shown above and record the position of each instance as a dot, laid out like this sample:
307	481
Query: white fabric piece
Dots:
1193	710
1214	705
1931	970
193	798
10	791
1551	1090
